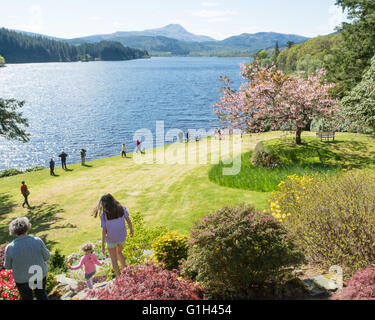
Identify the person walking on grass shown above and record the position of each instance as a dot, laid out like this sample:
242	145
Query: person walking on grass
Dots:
52	167
63	157
26	256
123	150
83	157
112	221
139	147
25	192
89	261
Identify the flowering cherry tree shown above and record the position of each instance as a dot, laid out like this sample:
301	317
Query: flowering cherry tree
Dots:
271	100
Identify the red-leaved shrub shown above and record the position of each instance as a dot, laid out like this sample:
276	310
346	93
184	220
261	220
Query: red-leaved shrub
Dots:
360	287
147	282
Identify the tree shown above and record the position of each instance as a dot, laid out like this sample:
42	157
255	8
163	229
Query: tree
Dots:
11	121
354	57
359	104
275	53
272	100
2	61
262	54
290	44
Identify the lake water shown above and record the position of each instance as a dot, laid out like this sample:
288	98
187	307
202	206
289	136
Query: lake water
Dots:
99	105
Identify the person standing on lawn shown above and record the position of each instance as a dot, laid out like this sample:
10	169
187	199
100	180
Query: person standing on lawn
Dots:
112	221
123	150
83	157
63	157
89	261
139	147
25	192
26	256
52	167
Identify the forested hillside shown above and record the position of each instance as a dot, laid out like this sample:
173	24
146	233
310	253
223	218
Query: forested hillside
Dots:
20	48
310	55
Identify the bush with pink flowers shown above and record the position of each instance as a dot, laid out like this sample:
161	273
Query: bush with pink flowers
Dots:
148	282
360	287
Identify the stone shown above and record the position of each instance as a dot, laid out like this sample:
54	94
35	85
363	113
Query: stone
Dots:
68	295
325	283
314	289
66	282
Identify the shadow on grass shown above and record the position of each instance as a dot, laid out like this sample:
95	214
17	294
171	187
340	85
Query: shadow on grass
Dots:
6	204
42	218
339	154
313	157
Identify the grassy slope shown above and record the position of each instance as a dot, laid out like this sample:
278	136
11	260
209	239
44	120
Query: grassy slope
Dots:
171	195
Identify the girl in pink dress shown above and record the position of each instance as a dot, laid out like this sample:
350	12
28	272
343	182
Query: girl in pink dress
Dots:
89	262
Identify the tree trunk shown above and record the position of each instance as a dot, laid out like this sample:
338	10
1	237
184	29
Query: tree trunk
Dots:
298	137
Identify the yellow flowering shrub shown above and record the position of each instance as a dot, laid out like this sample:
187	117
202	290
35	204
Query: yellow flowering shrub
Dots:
287	200
332	219
170	249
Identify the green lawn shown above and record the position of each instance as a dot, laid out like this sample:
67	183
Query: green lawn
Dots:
174	195
348	151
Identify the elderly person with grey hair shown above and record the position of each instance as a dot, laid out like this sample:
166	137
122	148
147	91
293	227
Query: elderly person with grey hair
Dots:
27	257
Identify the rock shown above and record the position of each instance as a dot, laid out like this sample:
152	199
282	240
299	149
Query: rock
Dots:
56	294
66	282
325	283
68	295
314	289
82	295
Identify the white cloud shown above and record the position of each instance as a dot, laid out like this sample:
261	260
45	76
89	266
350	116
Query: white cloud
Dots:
95	18
337	16
35	20
213	13
209	4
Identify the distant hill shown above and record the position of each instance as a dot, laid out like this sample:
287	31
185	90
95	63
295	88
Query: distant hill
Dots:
175	40
262	40
18	47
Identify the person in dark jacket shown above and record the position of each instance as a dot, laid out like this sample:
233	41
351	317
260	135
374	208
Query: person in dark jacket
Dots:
63	157
52	167
83	157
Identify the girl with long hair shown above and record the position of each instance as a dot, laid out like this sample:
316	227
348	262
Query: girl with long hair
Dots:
113	216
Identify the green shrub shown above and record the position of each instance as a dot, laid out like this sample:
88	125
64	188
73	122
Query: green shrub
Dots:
240	253
51	282
36	168
10	172
170	249
57	263
261	157
142	240
333	219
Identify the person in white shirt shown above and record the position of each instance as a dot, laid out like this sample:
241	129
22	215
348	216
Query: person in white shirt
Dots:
123	151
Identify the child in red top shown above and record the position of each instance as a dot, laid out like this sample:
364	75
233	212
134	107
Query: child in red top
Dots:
89	261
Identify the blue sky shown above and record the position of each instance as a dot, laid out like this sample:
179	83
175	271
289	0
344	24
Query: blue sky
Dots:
215	18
